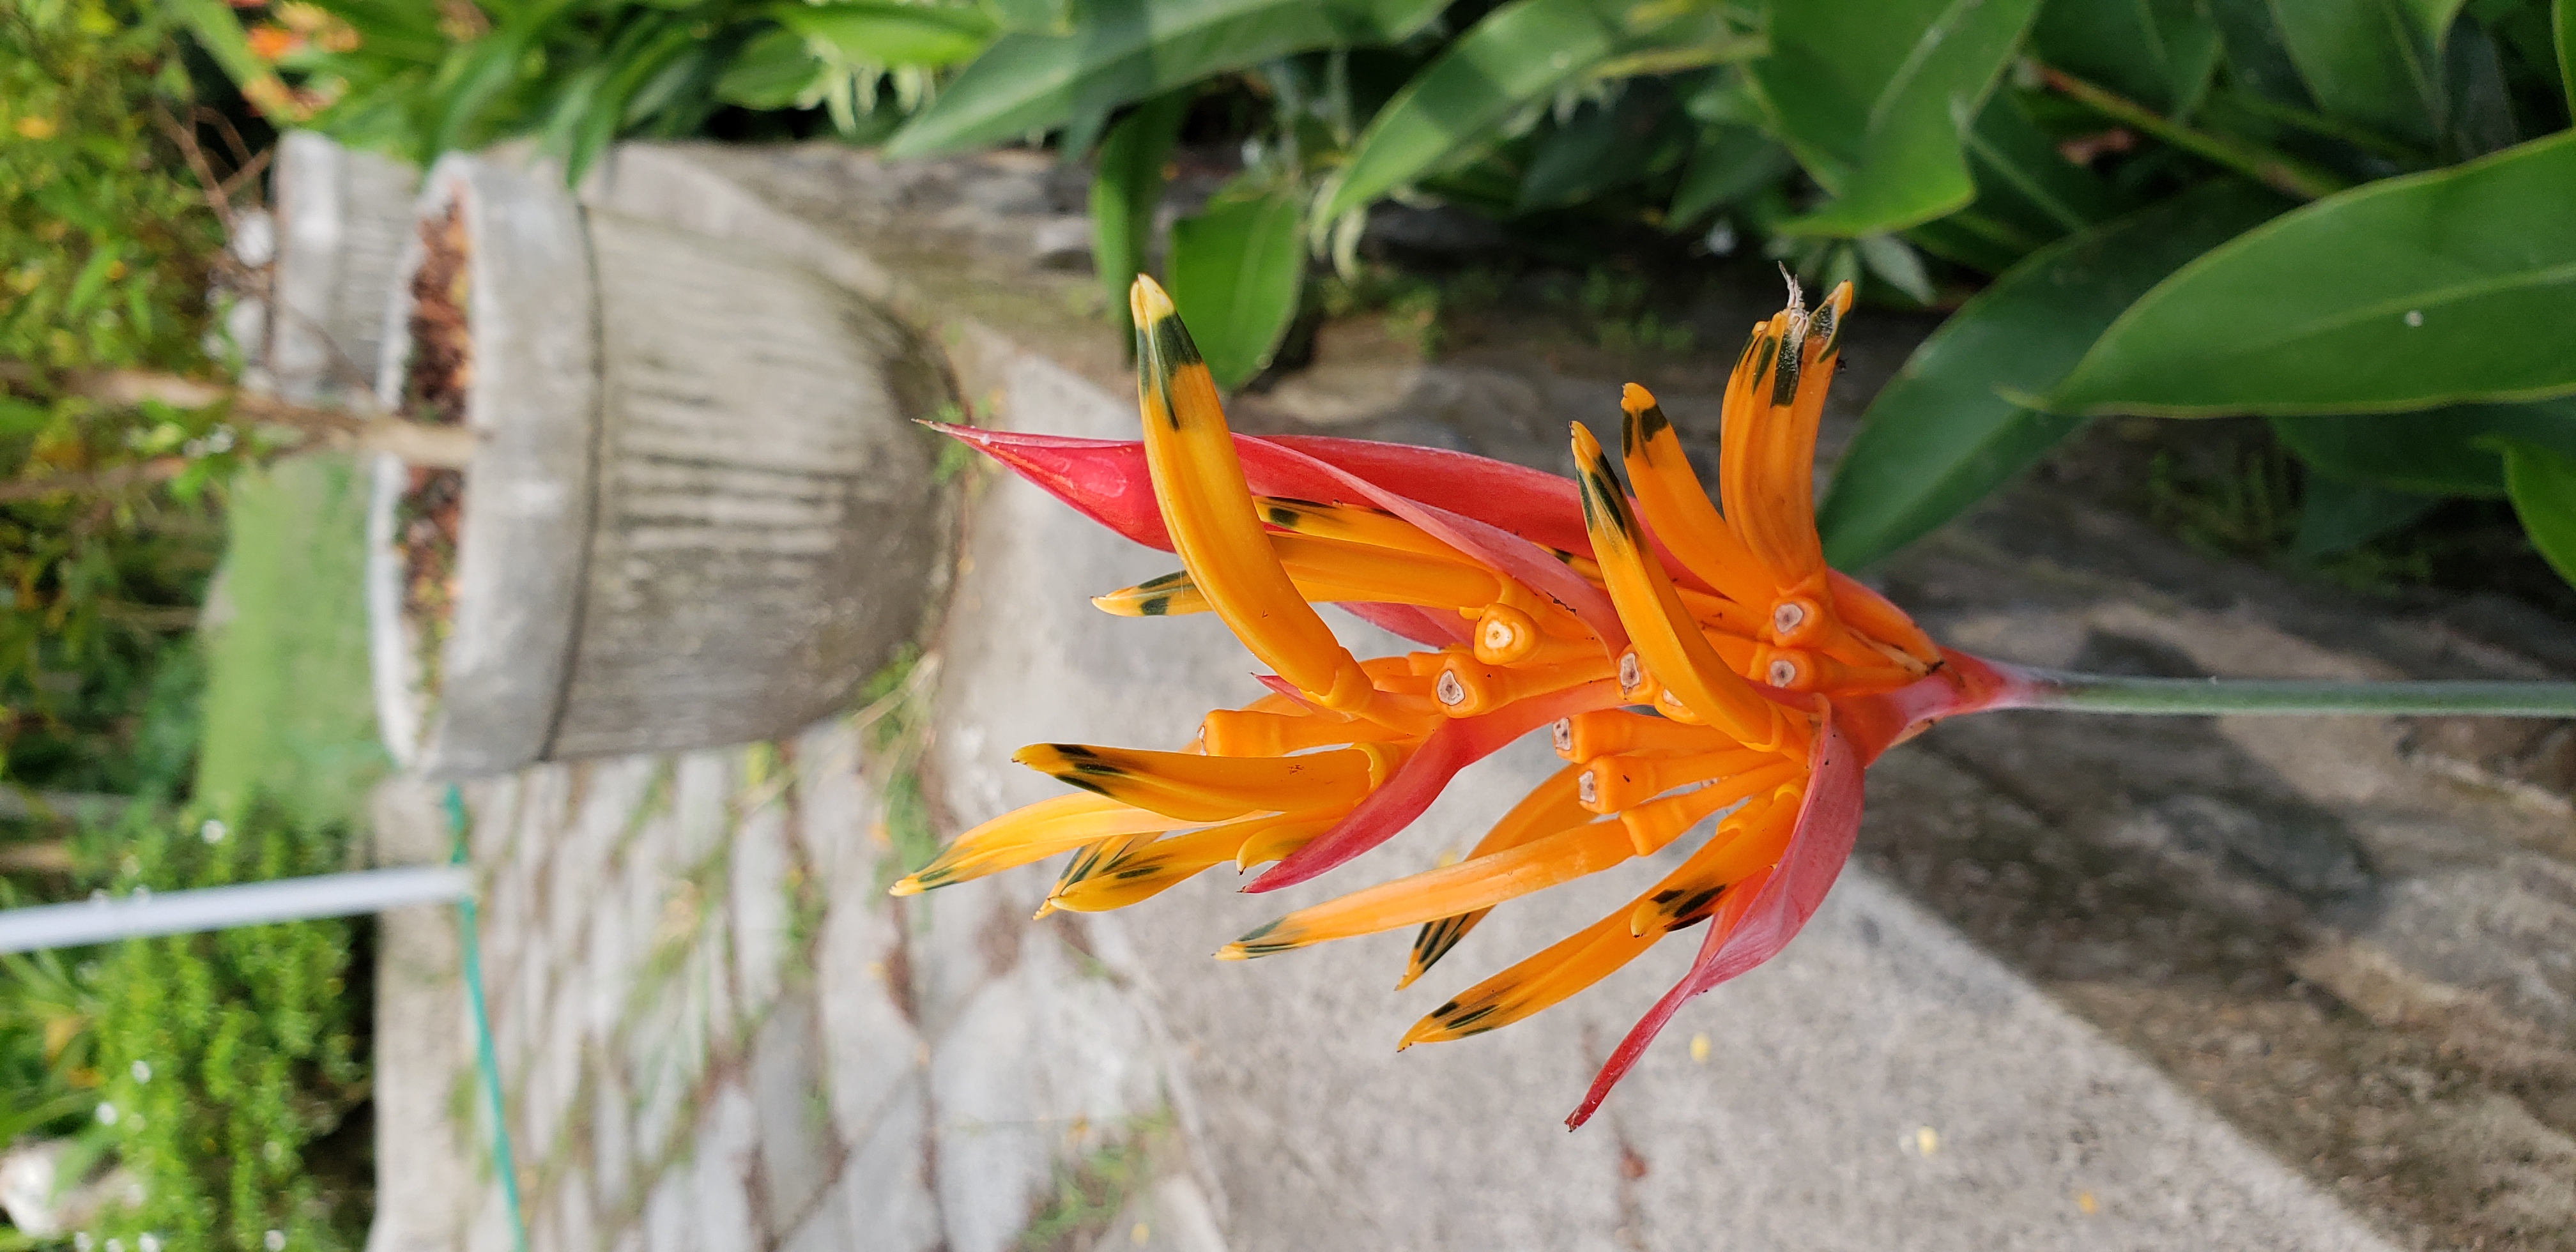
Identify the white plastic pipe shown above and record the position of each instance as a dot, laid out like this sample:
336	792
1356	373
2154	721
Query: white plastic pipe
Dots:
144	914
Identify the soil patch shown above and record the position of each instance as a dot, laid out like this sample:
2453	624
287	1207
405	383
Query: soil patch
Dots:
431	514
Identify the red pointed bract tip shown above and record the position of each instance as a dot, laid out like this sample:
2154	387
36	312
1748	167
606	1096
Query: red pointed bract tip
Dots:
1708	682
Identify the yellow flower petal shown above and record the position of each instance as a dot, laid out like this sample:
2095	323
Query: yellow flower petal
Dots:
1215	788
1033	833
1199	484
1469	885
1672	646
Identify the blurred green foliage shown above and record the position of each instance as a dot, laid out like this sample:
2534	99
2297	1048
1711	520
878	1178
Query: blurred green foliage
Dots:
108	527
232	1061
2373	192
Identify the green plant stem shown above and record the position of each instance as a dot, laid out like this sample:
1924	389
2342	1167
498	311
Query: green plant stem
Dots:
2318	124
2114	693
2281	173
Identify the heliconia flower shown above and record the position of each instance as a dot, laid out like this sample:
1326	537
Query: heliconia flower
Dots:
1701	670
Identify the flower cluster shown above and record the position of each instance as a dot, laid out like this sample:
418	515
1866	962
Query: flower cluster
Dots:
1692	661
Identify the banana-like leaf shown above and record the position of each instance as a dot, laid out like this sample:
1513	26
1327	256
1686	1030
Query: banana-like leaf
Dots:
2562	27
2444	452
2543	486
2367	62
2338	516
1939	437
1518	54
1121	51
772	71
2159	53
1872	98
878	32
1126	185
2408	293
1236	270
1730	163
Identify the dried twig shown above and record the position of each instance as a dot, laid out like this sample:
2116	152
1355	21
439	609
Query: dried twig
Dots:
446	447
158	469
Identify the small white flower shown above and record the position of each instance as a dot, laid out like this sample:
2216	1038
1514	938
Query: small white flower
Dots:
116	1245
276	1241
106	1114
142	1071
212	831
148	1243
80	1242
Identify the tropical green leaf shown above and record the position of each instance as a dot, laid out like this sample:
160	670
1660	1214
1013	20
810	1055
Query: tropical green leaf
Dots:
2159	53
1126	186
2444	451
2562	28
1888	259
2023	181
2407	293
2542	484
2365	60
2338	516
773	71
1121	51
2258	59
1872	97
1939	437
1235	273
2433	19
1640	135
1731	162
885	33
1517	54
1050	17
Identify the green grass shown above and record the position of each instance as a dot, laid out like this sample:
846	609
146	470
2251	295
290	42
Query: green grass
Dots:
288	705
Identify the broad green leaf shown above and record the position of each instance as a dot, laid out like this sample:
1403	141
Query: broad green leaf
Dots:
1939	437
2025	183
2542	484
2433	19
1126	186
1642	134
2439	452
1888	259
1517	54
1970	238
2157	52
2365	61
2258	60
1121	51
1049	17
773	71
2407	293
1871	96
1236	270
2337	516
885	33
2477	111
1731	162
2562	27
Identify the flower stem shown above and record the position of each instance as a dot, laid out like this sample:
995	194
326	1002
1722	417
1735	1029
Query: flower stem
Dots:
2284	174
2115	693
